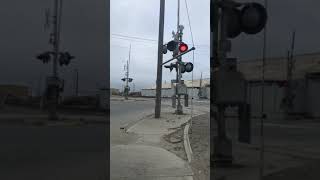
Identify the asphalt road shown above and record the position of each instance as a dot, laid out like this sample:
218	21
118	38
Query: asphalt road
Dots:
123	114
61	152
51	153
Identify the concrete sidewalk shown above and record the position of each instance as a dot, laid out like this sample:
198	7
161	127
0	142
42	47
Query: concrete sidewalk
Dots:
147	158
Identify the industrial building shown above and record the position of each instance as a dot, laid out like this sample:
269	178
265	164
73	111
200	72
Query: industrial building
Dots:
15	90
196	89
305	85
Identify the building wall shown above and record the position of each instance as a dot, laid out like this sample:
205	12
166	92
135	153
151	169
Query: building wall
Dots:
273	95
15	90
205	92
169	93
313	97
193	92
300	92
208	92
148	92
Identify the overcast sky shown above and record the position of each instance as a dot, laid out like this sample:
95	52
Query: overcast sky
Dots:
83	34
140	18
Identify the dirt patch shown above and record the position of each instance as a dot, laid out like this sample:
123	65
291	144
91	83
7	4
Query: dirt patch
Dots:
174	143
199	136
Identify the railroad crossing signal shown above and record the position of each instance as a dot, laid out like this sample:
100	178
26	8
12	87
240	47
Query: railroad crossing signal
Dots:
64	58
185	67
175	45
188	66
129	79
44	57
171	66
183	47
172	45
251	19
228	20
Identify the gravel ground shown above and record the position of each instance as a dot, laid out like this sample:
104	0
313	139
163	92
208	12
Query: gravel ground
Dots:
199	136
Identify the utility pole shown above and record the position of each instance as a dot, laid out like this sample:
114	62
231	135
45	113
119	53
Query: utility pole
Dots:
54	84
160	57
53	109
126	79
178	38
214	61
127	83
290	66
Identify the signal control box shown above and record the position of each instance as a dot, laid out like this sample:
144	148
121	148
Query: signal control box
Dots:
229	86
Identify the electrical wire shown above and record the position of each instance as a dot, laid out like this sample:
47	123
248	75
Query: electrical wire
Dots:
261	167
134	37
192	94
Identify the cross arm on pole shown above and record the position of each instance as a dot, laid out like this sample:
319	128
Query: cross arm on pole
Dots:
193	48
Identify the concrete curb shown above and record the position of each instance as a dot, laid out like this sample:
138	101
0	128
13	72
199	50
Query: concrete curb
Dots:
186	141
129	125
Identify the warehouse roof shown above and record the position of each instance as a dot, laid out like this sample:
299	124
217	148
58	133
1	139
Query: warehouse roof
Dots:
276	68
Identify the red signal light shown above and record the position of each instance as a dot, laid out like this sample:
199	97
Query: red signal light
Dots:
183	47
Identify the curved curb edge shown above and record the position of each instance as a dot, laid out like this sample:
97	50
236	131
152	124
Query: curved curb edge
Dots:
186	141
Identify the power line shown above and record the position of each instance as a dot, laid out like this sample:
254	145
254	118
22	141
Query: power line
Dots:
262	145
134	37
125	37
135	40
189	21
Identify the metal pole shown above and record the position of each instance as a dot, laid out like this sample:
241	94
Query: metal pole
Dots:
214	36
290	65
53	109
56	44
261	168
127	75
222	54
179	74
160	57
127	79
